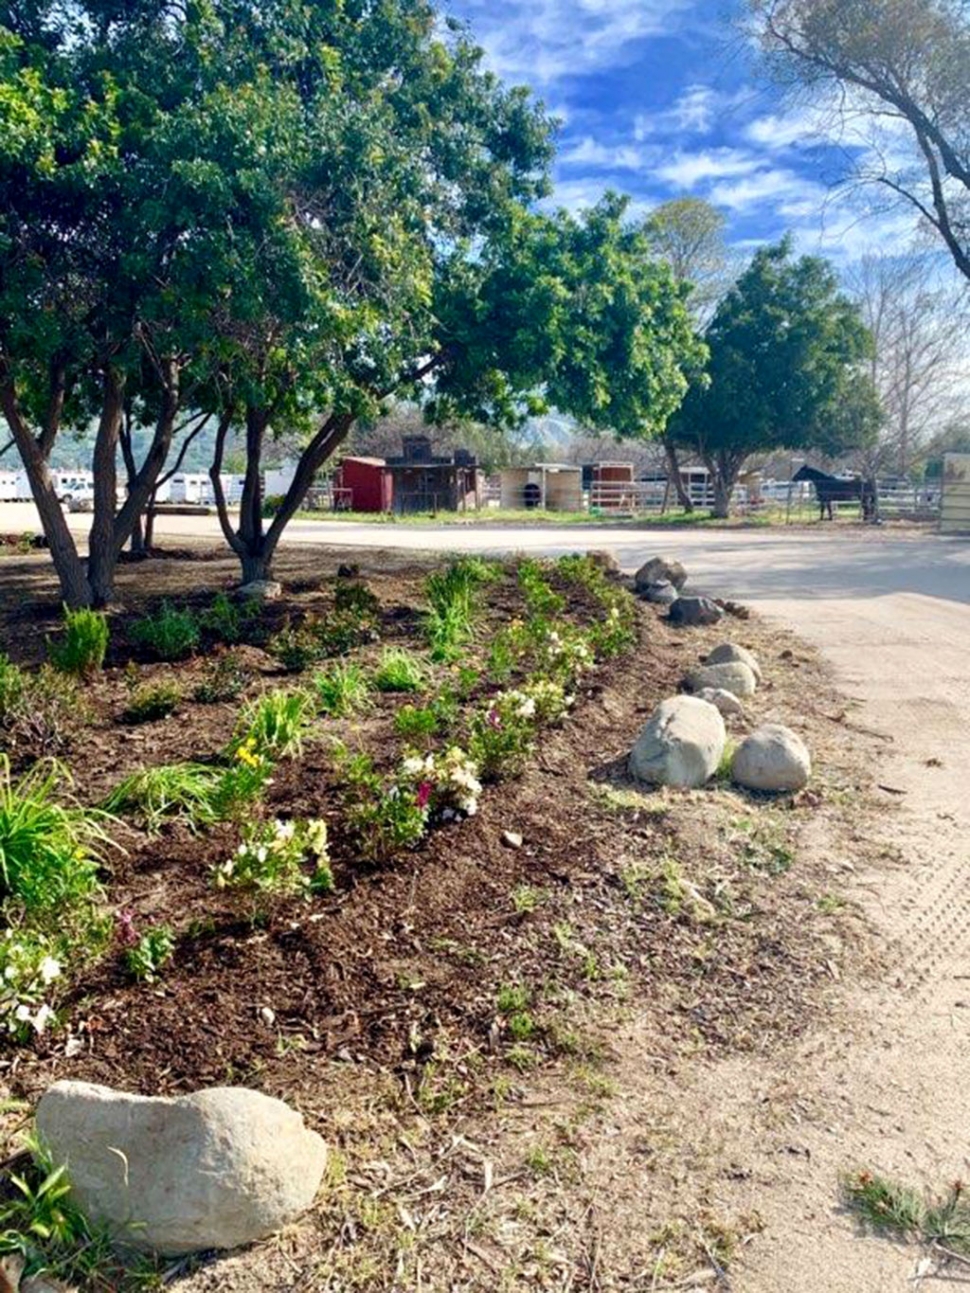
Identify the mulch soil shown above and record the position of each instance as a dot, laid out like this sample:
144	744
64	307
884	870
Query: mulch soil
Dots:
679	903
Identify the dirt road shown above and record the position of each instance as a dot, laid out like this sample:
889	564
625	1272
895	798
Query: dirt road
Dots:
892	1089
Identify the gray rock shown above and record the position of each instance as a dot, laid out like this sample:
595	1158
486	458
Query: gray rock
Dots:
605	560
680	745
662	593
733	676
694	612
725	701
214	1169
728	651
260	590
774	758
659	570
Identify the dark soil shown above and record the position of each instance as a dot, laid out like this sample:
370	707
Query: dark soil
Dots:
401	968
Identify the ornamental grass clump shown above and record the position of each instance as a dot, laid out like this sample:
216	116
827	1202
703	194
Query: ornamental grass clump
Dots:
274	726
400	670
183	792
170	633
341	689
81	647
273	857
453	597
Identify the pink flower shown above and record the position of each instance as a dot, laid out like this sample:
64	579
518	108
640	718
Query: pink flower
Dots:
424	794
494	718
125	931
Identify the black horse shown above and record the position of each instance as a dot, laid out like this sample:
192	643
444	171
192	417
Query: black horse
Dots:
839	489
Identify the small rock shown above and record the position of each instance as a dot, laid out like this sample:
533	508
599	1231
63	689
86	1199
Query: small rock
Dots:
730	651
733	676
348	570
605	560
662	593
659	570
725	701
773	758
215	1169
512	839
691	612
260	590
680	745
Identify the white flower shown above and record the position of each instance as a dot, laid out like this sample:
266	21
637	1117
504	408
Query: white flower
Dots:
412	766
22	1013
49	969
42	1018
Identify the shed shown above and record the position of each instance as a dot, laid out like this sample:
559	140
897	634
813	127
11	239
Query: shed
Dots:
423	482
555	486
610	486
363	485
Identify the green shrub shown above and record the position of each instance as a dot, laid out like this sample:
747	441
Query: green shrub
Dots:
399	670
155	947
152	701
81	648
416	723
502	735
173	792
344	630
385	814
225	679
357	598
341	689
49	852
296	648
37	710
272	856
228	621
171	633
274	726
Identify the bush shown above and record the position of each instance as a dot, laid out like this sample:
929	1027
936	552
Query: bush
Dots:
49	852
37	711
169	634
274	726
296	649
228	621
344	630
386	815
271	858
225	679
341	689
151	702
502	735
81	648
356	598
399	670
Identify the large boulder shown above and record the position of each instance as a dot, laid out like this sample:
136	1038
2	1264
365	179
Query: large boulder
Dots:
727	652
214	1169
681	744
694	612
772	758
725	701
662	593
260	590
734	677
659	570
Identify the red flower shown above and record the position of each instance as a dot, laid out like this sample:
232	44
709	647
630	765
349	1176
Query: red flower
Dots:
424	794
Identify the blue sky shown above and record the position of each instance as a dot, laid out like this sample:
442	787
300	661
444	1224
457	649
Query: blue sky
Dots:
659	98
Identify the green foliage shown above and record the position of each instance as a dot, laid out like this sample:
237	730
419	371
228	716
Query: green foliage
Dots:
228	621
225	679
152	701
154	949
49	852
452	594
273	726
37	710
502	735
416	723
295	648
171	633
342	689
272	857
400	670
81	648
905	1213
173	792
540	598
385	815
357	598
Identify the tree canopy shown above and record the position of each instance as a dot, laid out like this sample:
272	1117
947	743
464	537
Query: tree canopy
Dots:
283	215
785	369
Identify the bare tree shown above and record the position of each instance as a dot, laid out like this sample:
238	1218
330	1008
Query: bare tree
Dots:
902	64
920	364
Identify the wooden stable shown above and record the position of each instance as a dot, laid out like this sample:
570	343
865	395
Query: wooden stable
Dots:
611	486
425	483
550	486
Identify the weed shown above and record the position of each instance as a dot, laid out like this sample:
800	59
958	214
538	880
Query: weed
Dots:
526	898
81	648
624	799
342	689
275	724
225	679
724	764
829	903
512	1002
171	633
49	852
399	670
942	1221
155	947
39	710
151	702
271	858
173	792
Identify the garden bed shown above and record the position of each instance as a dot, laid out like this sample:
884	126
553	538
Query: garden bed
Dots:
497	944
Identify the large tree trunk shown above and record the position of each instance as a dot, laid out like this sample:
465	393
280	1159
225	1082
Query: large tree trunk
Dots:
137	544
673	474
724	469
102	552
33	454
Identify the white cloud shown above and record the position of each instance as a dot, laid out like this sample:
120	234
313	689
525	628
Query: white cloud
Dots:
687	170
774	188
787	130
606	157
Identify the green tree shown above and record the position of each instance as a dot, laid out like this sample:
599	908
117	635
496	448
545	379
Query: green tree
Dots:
785	370
904	61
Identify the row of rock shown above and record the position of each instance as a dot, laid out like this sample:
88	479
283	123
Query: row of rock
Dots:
661	581
683	742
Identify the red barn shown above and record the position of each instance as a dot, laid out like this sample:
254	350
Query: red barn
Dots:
364	485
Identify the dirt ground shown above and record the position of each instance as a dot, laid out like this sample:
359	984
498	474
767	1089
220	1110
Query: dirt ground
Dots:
694	959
